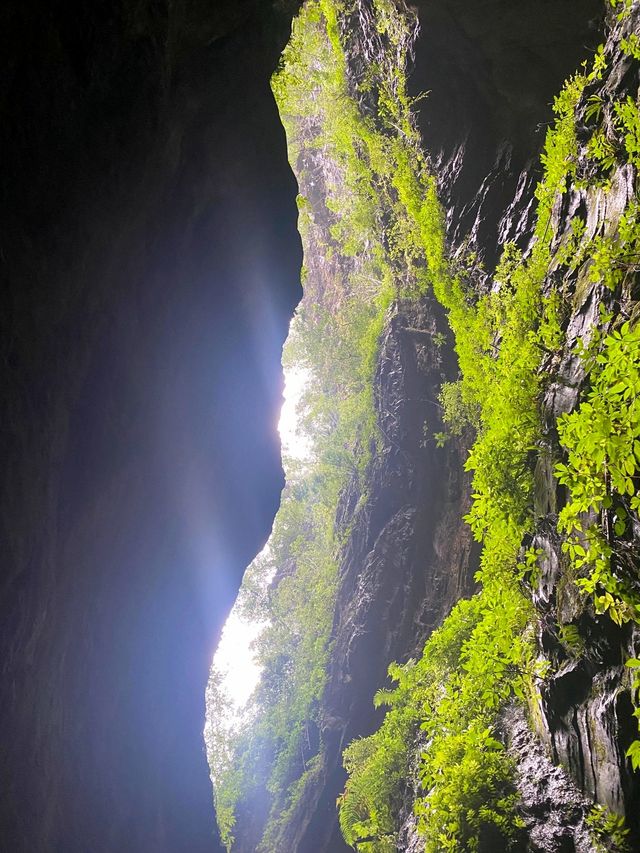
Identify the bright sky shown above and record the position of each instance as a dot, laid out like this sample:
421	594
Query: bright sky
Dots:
293	445
234	656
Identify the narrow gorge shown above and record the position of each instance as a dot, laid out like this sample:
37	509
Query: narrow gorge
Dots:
445	617
433	205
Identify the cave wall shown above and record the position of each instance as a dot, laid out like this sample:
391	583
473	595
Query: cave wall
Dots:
585	710
492	71
150	265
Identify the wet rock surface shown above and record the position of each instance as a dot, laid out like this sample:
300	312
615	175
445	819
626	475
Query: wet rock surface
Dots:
491	70
552	806
408	557
585	715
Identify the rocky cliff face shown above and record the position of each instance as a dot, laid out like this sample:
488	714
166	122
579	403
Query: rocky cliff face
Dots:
584	721
586	711
407	556
491	71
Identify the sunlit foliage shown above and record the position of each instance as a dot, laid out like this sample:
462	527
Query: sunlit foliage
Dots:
356	263
373	230
465	800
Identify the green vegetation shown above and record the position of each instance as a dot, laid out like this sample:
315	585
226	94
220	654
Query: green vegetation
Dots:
358	258
501	338
267	750
373	230
572	640
457	413
602	440
608	830
602	436
448	700
623	7
631	46
634	750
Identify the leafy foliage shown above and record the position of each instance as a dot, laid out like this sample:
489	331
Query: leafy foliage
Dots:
358	257
602	440
374	230
448	700
631	46
609	830
617	131
634	750
456	412
501	338
623	8
601	437
291	589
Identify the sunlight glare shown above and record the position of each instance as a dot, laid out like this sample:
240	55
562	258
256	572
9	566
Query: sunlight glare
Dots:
234	657
295	445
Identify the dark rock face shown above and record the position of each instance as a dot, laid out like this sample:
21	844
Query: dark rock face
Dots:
150	266
407	560
554	810
585	715
408	557
492	74
491	70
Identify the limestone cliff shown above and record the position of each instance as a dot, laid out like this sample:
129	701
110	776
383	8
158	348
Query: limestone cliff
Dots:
404	555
